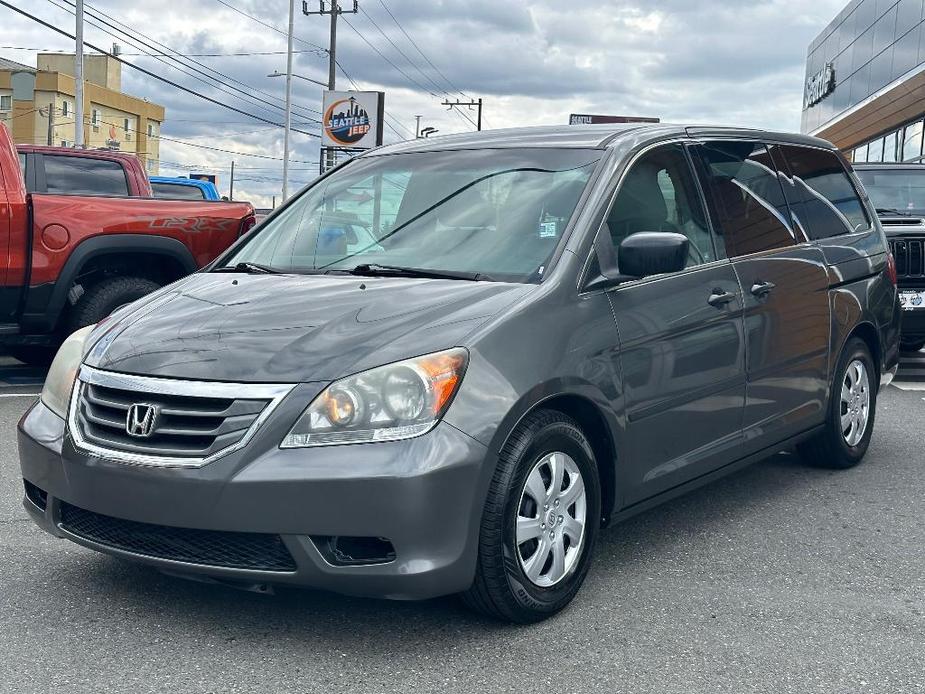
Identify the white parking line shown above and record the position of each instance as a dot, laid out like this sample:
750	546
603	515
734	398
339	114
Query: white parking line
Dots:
19	395
909	385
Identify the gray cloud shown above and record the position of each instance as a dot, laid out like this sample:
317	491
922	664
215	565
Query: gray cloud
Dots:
534	62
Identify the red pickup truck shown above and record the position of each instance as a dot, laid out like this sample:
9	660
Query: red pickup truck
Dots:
70	255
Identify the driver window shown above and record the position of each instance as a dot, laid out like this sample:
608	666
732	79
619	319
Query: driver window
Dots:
659	194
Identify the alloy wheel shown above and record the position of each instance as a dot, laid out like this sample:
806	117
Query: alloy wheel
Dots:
551	520
855	403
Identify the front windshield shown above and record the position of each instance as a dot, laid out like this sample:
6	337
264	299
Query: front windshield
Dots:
893	190
495	213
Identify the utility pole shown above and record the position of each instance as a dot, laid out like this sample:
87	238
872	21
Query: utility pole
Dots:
417	127
51	123
469	104
332	8
288	102
79	74
231	185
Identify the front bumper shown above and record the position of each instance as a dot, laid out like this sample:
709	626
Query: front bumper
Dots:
913	325
424	495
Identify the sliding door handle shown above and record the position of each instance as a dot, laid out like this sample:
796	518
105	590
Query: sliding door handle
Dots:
720	298
761	289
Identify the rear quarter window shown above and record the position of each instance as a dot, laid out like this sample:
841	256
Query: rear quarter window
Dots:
72	175
822	195
177	191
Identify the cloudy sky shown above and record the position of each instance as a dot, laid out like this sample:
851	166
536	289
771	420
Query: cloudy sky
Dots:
533	63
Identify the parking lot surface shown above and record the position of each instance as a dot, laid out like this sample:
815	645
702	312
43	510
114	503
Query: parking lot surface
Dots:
780	578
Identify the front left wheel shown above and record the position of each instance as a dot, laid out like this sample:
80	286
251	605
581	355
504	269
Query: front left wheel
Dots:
540	521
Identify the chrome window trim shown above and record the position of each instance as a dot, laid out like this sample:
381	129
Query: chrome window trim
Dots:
167	386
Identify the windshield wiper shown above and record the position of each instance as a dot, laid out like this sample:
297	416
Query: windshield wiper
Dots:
376	270
248	268
890	210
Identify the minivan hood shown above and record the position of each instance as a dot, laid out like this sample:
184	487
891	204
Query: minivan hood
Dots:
293	328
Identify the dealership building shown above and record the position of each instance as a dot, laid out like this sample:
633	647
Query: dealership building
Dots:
865	81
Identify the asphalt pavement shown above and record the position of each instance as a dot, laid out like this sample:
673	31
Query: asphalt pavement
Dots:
780	578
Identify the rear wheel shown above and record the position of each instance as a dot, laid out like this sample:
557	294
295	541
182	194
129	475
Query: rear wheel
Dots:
105	297
850	423
912	345
540	522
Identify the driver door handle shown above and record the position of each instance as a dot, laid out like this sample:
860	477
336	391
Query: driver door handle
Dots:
760	289
720	298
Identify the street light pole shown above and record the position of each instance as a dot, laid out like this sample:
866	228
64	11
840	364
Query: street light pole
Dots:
288	102
79	74
299	77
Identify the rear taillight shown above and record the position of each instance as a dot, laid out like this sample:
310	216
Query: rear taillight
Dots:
249	223
891	269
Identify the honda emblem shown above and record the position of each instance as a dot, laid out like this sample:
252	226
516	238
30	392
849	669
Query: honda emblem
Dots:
140	420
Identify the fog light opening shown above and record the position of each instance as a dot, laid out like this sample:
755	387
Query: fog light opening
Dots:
346	550
38	497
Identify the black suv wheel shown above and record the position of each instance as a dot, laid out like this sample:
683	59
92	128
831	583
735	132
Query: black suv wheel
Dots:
540	522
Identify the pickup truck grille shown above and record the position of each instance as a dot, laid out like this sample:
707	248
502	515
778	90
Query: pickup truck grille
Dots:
910	257
190	424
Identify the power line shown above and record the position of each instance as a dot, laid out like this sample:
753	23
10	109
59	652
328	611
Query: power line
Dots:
127	32
418	49
321	50
145	71
385	120
188	55
385	58
402	53
465	118
210	69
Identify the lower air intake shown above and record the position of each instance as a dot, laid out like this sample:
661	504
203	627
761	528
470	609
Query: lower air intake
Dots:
254	551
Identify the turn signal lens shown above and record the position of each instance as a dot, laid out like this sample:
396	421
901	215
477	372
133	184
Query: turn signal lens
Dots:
388	403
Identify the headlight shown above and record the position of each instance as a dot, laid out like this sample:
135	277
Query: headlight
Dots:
388	403
56	394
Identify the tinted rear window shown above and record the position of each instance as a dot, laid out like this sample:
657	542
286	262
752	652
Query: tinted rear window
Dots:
65	175
177	191
824	200
747	197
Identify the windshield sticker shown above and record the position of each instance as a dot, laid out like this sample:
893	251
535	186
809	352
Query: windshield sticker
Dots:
549	230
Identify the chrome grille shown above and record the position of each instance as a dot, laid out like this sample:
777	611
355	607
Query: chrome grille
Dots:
910	257
195	422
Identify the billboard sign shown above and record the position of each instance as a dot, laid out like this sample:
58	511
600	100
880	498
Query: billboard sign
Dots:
352	120
589	119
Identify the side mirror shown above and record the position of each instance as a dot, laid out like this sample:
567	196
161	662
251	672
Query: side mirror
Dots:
653	253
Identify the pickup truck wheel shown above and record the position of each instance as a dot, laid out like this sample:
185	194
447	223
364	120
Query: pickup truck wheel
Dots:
102	299
845	437
540	522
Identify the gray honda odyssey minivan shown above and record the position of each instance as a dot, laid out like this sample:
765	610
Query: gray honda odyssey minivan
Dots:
445	365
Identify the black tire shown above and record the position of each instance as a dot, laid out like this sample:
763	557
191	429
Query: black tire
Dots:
501	588
105	297
912	345
829	448
34	355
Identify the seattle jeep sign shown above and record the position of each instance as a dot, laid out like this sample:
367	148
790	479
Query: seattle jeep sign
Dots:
820	85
